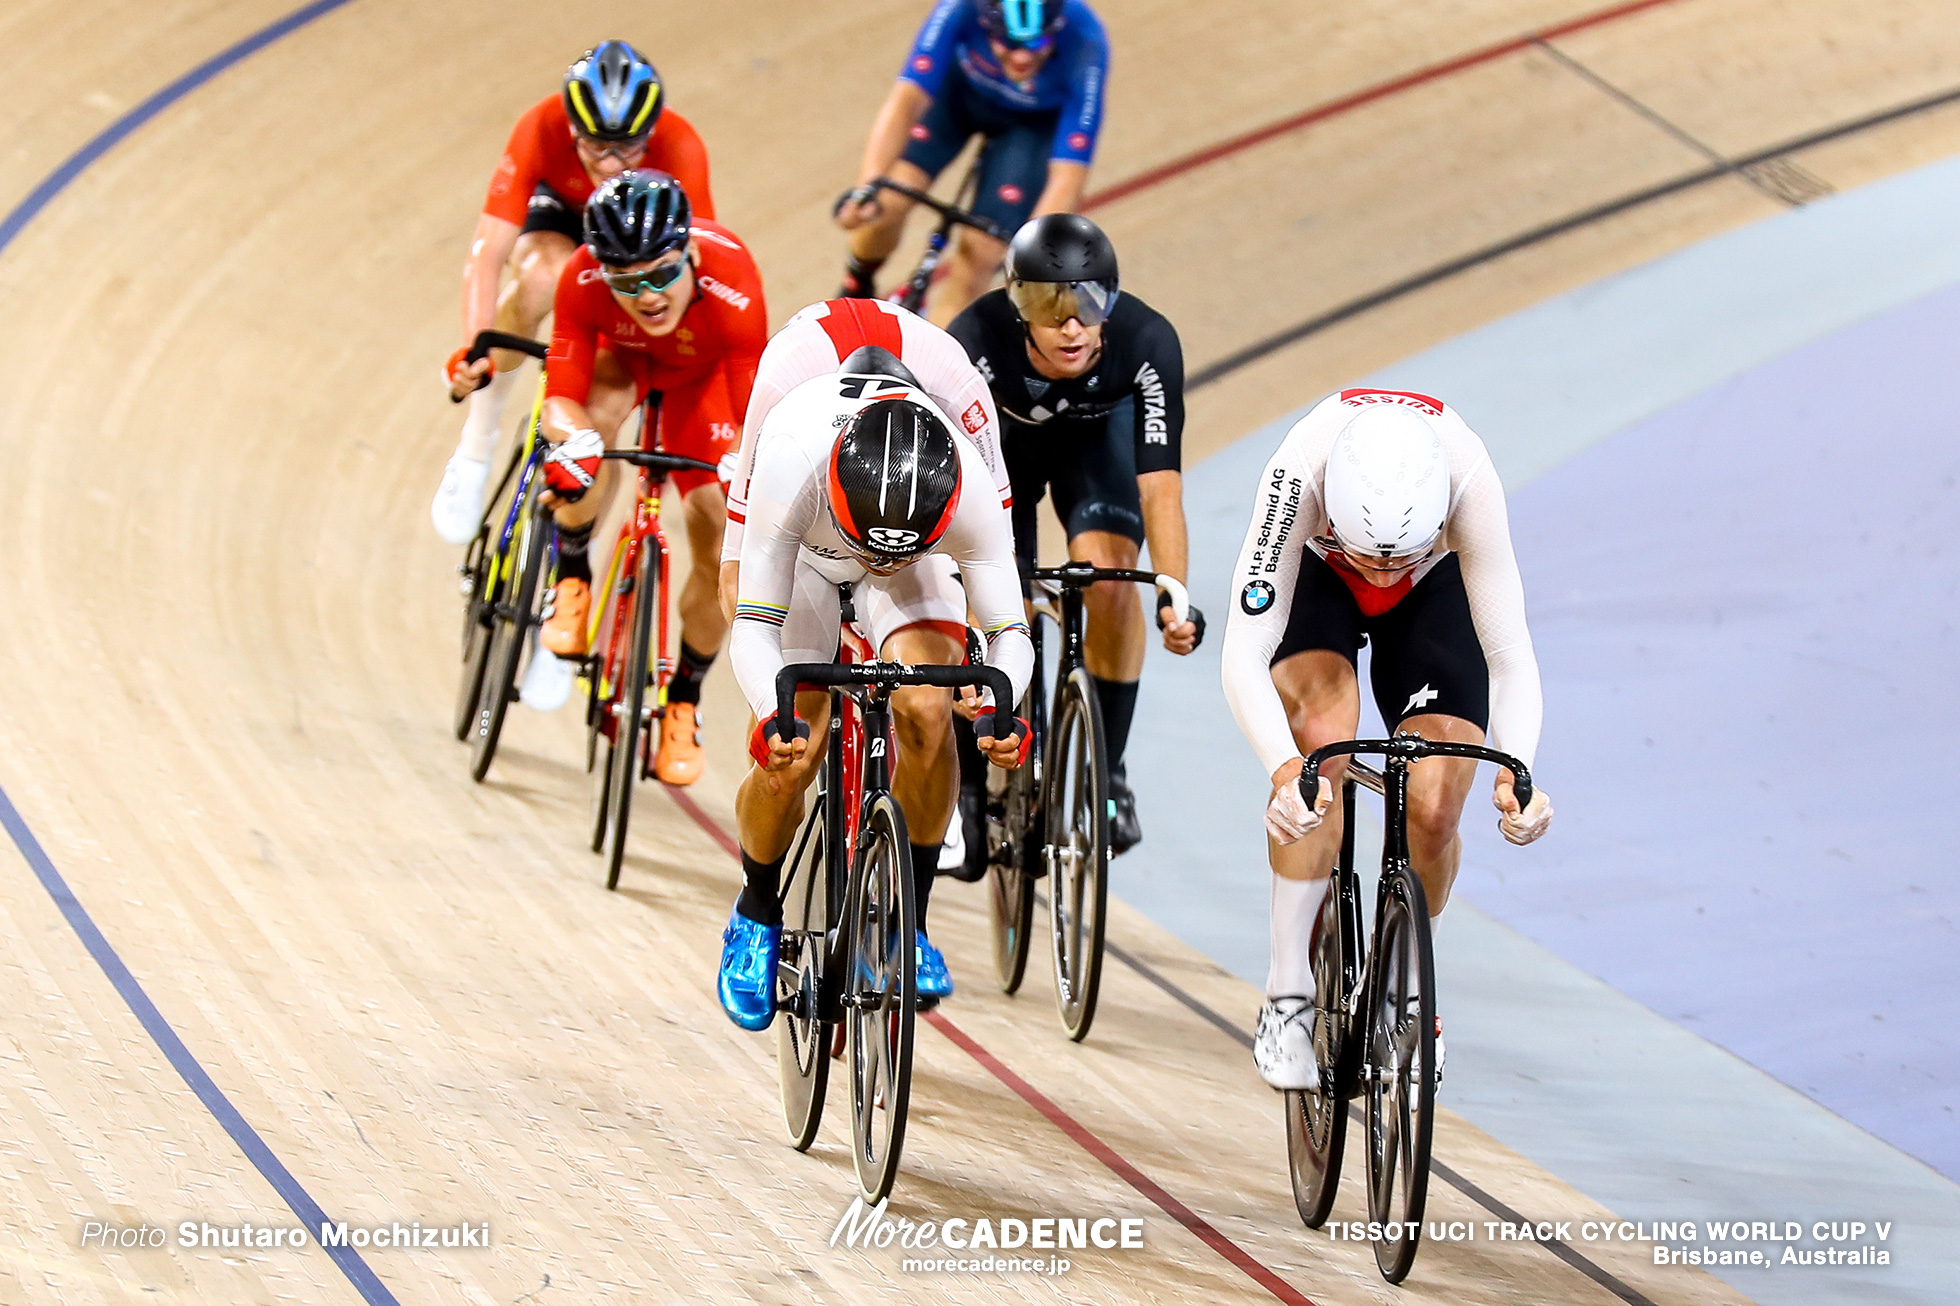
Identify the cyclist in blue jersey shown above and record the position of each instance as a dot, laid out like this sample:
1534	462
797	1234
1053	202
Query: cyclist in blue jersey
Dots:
1029	76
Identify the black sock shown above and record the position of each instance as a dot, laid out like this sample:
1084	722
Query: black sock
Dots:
759	888
858	274
925	865
573	542
685	687
1118	700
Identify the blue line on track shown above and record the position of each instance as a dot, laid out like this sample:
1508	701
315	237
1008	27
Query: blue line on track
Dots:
358	1273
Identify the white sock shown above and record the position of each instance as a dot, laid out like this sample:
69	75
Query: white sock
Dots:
485	420
1295	904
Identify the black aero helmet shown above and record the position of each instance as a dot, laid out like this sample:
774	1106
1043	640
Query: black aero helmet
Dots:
636	217
894	482
871	360
612	93
1060	266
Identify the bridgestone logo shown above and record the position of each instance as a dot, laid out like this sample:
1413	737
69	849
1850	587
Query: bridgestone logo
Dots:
1155	429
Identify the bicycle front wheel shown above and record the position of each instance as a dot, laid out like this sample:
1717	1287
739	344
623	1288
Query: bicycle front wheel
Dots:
1013	835
1316	1119
479	600
1401	1073
880	995
1076	807
513	620
629	725
802	1038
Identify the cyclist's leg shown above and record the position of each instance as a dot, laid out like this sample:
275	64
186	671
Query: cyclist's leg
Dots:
1429	676
1314	671
1013	172
1097	500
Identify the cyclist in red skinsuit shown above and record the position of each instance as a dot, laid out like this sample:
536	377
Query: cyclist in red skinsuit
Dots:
531	223
697	341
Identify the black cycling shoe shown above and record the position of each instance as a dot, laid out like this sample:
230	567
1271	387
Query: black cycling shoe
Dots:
972	810
1125	832
857	281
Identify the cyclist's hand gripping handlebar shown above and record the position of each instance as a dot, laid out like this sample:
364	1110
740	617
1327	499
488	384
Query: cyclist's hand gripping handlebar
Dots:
1413	748
486	341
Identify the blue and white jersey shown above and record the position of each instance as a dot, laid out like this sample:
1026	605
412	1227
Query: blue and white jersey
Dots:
1071	81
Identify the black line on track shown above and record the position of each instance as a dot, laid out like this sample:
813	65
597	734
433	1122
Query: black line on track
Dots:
1564	1251
1259	349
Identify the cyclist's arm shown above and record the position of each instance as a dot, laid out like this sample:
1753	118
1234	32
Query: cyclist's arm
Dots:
1163	522
892	128
568	368
1283	519
1160	443
981	540
1063	193
490	248
783	514
1480	532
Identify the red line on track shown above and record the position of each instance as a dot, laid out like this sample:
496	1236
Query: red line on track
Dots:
1368	95
1128	1173
1061	1119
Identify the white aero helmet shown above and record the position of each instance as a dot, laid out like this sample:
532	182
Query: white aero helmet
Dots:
1388	483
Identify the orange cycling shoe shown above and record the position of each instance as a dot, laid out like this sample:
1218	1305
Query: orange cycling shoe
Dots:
563	632
679	761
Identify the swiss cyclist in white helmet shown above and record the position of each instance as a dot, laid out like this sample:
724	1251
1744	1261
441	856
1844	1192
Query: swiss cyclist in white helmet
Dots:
1379	521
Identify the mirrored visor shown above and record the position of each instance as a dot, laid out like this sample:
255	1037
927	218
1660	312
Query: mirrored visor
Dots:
1051	303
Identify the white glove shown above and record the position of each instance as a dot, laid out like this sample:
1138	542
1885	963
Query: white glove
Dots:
1523	827
1289	818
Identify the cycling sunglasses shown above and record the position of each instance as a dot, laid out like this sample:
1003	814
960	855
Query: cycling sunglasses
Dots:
634	284
625	151
1051	303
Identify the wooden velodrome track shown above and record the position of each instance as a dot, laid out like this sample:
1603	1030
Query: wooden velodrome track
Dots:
229	635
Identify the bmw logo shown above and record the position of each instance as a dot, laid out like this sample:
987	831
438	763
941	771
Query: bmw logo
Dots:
1256	598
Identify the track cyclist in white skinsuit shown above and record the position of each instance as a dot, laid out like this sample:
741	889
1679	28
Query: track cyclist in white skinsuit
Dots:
858	479
1380	520
838	335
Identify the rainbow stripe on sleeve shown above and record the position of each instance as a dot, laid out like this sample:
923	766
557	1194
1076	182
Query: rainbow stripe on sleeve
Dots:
767	613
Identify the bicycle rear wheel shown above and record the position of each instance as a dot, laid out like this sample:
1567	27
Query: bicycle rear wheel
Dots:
1401	1069
479	598
880	995
802	1038
629	724
1076	808
1317	1119
513	621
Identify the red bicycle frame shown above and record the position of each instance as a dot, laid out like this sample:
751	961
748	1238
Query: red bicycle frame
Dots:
641	531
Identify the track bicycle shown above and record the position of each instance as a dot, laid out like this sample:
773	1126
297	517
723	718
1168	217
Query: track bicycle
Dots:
1051	818
619	711
912	294
846	955
500	577
1374	1016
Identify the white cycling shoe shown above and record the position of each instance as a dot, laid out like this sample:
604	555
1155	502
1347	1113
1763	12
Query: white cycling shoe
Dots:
952	850
457	509
547	682
1282	1046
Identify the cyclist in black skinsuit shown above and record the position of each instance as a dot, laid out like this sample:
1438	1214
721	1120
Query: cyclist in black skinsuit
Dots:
1090	387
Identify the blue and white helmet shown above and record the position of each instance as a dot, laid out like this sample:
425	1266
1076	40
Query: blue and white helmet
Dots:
612	93
1020	22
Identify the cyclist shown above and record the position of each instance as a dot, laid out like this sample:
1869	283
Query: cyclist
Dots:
655	300
824	338
609	117
1029	76
1379	521
858	481
1090	386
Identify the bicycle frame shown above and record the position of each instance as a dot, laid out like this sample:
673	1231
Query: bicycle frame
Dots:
642	530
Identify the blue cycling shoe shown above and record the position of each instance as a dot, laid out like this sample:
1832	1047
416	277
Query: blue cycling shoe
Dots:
746	983
933	979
